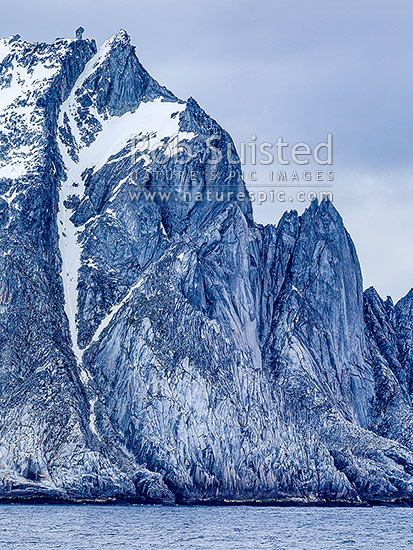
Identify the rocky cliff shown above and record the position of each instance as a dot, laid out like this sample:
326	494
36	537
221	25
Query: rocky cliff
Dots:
173	350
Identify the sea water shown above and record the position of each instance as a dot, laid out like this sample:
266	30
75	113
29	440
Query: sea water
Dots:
91	527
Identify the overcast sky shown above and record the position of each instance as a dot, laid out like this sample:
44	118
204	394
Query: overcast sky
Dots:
274	68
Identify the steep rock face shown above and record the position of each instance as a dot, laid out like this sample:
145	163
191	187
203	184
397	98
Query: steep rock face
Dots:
322	311
403	322
169	348
47	444
388	348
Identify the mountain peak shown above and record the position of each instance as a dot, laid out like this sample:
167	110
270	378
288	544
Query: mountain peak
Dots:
406	299
121	37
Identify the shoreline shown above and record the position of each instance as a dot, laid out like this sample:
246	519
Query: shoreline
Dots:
50	501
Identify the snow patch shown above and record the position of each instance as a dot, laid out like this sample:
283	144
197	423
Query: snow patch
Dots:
113	311
92	418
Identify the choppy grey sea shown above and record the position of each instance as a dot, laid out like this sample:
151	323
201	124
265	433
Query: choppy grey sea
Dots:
89	527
